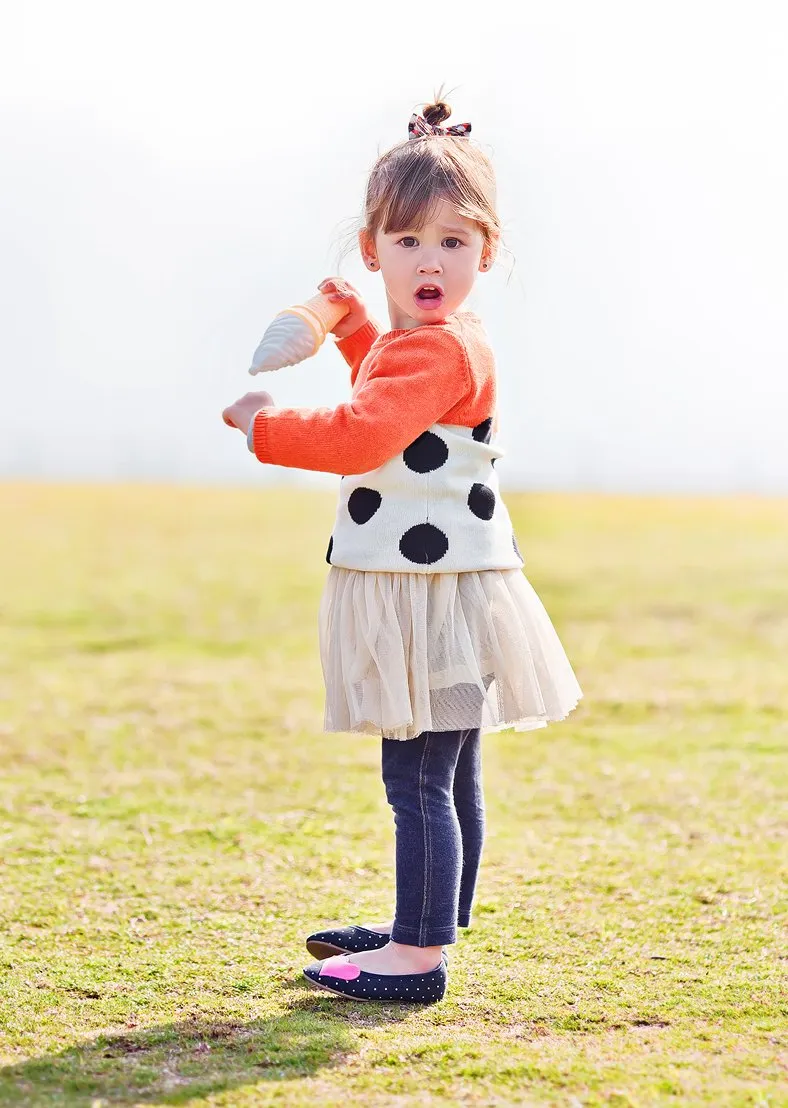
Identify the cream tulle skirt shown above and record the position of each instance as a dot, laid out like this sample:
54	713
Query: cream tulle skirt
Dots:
404	653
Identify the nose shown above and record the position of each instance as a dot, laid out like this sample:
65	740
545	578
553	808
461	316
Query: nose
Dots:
430	267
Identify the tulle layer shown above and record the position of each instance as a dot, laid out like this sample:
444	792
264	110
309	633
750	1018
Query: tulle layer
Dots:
404	653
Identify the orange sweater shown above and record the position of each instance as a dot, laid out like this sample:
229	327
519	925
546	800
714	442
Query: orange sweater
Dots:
403	381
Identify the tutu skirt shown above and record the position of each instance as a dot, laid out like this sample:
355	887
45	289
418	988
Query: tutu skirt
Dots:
404	653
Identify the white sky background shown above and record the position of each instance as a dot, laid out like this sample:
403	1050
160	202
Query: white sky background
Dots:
175	174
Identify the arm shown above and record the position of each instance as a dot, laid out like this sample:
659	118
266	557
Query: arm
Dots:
354	348
416	379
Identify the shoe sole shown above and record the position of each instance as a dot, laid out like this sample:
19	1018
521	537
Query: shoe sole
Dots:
320	985
320	950
367	999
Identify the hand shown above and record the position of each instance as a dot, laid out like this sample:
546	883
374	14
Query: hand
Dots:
240	413
337	288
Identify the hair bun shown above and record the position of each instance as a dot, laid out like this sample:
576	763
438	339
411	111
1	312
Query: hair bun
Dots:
437	112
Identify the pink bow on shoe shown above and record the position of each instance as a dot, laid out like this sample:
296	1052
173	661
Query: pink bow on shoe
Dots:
338	967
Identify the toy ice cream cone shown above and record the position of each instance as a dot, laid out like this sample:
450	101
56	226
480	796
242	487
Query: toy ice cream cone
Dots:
297	333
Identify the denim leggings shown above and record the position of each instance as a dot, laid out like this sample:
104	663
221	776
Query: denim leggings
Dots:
434	785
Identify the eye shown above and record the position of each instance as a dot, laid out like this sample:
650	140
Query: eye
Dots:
412	238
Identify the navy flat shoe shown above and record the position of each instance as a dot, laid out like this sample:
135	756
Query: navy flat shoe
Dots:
348	940
346	979
344	940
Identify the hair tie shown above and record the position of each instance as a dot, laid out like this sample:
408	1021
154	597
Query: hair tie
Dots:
419	126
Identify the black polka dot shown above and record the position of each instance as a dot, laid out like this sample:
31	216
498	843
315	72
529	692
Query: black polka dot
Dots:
481	501
330	548
492	461
363	503
425	453
516	547
482	432
423	544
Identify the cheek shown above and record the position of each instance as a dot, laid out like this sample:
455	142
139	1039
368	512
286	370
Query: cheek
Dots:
471	262
399	270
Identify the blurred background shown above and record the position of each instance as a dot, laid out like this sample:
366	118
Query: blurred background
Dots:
172	821
174	175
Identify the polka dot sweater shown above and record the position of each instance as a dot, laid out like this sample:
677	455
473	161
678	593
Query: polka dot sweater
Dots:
415	447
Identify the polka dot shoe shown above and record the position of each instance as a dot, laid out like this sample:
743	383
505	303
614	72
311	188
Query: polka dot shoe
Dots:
342	977
345	940
348	940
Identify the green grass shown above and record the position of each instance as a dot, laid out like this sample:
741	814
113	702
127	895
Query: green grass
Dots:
173	822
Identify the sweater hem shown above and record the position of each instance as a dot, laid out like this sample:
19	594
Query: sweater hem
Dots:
434	568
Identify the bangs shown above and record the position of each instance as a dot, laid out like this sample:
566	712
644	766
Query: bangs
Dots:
408	183
415	199
407	212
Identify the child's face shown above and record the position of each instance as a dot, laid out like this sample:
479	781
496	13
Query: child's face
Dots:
446	253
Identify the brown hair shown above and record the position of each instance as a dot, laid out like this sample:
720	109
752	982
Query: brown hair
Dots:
407	182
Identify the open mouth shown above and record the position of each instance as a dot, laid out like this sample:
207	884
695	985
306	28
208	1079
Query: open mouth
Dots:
429	297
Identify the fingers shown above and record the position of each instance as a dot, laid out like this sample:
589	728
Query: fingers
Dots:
331	290
336	289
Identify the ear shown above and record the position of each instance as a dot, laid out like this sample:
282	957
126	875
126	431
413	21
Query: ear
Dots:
366	245
489	252
488	255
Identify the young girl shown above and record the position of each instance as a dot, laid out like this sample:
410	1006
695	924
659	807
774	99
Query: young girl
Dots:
430	633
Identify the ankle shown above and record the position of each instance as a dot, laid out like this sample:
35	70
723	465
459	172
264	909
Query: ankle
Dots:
426	957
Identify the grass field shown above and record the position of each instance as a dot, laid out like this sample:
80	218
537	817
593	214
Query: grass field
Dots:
173	823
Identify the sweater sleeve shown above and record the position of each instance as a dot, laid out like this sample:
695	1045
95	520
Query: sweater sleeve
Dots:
250	435
354	348
415	380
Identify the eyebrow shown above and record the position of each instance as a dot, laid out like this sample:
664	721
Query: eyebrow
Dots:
446	227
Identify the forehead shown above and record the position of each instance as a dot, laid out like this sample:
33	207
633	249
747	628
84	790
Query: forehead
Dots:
446	219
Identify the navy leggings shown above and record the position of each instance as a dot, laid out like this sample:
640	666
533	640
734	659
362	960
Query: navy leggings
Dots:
434	785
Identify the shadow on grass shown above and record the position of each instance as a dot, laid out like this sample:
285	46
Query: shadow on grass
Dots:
172	1063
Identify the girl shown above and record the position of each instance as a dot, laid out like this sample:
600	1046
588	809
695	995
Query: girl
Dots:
430	633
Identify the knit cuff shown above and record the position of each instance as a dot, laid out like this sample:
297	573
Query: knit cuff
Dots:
250	435
258	430
359	342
